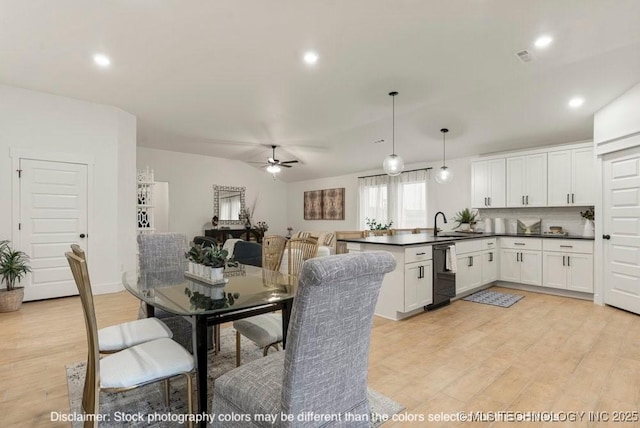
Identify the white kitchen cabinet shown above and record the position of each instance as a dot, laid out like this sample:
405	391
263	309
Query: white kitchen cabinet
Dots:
469	273
489	266
568	265
571	177
488	183
527	180
418	290
521	265
509	265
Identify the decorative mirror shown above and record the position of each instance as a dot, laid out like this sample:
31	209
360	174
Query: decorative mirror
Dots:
228	203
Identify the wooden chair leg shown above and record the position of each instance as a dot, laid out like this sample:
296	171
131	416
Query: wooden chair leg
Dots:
238	349
166	392
189	397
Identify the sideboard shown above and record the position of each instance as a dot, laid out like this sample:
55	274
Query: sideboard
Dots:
222	235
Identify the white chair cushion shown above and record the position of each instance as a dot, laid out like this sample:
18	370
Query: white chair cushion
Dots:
323	251
230	245
144	363
125	335
263	330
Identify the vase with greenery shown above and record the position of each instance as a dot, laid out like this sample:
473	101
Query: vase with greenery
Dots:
374	225
465	219
589	227
14	265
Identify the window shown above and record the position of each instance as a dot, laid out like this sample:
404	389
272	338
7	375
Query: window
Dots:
401	199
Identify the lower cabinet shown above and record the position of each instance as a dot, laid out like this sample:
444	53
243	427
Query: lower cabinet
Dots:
523	266
489	267
568	265
418	289
469	273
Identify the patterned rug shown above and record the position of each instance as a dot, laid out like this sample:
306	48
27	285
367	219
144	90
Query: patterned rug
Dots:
138	407
495	298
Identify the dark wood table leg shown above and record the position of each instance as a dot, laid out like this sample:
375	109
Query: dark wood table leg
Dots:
151	311
200	349
286	314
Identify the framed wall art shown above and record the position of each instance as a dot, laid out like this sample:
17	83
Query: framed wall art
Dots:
313	205
325	204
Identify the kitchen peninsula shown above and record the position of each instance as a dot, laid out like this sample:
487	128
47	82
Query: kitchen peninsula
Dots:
557	264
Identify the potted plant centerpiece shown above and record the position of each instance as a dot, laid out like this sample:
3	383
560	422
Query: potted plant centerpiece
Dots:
589	216
377	228
215	259
465	219
14	265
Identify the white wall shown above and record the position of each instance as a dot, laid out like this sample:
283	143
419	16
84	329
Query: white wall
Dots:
191	179
449	198
618	119
43	123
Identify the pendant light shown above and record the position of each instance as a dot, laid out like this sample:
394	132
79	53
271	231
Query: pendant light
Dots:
393	164
444	174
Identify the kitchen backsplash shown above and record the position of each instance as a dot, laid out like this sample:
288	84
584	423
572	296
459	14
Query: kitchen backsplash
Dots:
567	217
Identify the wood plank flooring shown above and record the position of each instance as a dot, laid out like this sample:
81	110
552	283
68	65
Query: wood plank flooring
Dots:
545	353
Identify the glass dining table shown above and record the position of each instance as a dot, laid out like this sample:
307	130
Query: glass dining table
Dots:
245	292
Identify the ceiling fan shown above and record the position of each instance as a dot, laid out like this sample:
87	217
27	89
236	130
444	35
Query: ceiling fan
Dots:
273	164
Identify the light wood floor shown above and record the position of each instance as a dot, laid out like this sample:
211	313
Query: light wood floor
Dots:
545	353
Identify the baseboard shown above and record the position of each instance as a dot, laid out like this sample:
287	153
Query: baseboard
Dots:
111	287
545	290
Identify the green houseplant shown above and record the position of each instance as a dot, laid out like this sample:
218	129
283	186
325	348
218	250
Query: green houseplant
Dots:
14	265
589	216
465	218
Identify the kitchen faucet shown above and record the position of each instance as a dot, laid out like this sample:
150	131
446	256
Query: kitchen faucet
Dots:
435	222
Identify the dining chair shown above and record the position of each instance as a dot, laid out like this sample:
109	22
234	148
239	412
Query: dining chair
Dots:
266	330
139	365
162	255
323	370
120	336
272	250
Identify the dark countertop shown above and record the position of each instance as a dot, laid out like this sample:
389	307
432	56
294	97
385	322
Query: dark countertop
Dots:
425	238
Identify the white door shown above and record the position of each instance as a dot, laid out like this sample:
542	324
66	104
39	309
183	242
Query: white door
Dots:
580	268
515	181
583	182
531	267
554	268
535	179
621	216
559	178
53	215
496	183
479	184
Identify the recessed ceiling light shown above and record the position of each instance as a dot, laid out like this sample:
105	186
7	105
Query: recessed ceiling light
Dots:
102	60
543	41
576	102
310	57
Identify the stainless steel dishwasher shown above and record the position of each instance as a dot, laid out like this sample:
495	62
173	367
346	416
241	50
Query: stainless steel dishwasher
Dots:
444	280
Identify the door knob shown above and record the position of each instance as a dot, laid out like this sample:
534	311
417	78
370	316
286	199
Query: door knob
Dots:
606	236
82	235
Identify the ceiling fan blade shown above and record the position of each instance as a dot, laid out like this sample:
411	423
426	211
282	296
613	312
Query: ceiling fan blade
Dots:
291	161
283	165
258	163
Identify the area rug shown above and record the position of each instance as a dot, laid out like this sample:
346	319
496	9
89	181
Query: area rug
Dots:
495	298
139	407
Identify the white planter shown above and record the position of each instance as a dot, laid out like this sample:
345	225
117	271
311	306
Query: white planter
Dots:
192	267
464	227
216	274
199	269
217	293
589	229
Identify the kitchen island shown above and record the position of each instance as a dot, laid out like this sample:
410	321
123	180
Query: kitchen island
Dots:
557	264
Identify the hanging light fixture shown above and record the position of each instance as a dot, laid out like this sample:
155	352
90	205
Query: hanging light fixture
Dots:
393	164
444	174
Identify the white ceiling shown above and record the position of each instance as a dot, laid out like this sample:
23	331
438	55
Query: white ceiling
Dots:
223	77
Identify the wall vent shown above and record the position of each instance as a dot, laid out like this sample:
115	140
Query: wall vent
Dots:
525	55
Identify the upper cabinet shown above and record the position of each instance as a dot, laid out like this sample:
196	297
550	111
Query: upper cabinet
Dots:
488	183
527	180
571	177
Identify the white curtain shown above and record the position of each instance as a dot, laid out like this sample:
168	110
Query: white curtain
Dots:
401	199
374	199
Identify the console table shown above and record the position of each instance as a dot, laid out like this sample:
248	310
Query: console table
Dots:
222	235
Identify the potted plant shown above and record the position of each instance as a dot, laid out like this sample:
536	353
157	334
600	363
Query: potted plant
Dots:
14	265
376	227
195	256
465	219
589	216
216	259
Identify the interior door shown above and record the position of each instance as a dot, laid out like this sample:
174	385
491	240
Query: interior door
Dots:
53	215
621	176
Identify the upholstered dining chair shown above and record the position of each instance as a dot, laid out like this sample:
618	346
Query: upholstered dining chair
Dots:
148	362
163	255
272	250
120	336
266	330
324	368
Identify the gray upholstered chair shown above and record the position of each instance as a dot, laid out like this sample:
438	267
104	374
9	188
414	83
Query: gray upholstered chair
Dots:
163	255
324	368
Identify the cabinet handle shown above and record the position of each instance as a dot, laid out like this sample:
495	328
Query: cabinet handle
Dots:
521	258
527	199
563	260
522	200
517	257
420	272
420	254
566	246
568	260
573	198
490	257
485	201
519	243
489	199
470	261
567	198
